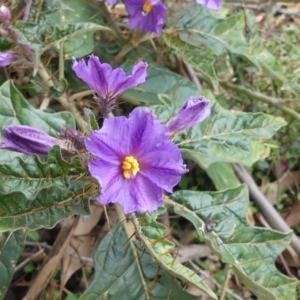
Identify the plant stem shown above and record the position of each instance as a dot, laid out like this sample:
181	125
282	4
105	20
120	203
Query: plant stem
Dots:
276	102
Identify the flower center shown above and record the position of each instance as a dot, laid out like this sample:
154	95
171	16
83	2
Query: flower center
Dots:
130	167
147	7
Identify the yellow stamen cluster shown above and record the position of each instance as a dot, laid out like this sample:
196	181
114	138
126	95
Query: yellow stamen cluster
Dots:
130	167
147	7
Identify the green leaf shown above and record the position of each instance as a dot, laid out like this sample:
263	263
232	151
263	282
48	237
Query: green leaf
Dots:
225	136
11	247
78	39
223	176
204	41
160	81
152	234
228	136
92	122
29	178
250	250
48	208
136	277
14	109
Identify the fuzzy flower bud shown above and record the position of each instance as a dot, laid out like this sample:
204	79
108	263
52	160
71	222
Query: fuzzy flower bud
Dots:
6	58
193	111
27	140
4	14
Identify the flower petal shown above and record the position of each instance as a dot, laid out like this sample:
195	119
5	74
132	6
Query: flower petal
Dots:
121	82
163	166
93	74
107	173
136	195
111	142
145	132
212	4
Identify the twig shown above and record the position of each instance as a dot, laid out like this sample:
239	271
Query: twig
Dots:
80	95
53	259
267	210
206	276
37	244
28	259
261	97
225	285
27	10
193	76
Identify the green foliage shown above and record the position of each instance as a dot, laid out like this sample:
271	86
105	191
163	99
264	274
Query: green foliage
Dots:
93	125
152	234
11	245
137	274
251	251
29	178
225	136
204	42
49	207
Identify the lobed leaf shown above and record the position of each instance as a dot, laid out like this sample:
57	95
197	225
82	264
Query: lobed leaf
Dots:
251	251
14	109
48	208
11	245
203	40
136	277
29	178
225	136
160	80
152	234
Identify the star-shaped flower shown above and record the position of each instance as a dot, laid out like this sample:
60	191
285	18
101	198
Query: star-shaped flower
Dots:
146	15
107	82
135	161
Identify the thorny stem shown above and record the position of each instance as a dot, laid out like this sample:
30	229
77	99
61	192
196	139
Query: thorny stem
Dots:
80	95
276	102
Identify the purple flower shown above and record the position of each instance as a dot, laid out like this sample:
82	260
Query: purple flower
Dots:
193	111
6	58
110	2
146	15
26	140
212	4
107	82
135	161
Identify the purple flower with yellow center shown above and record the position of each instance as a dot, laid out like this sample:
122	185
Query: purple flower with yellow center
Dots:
27	140
107	82
146	15
193	111
212	4
135	161
6	58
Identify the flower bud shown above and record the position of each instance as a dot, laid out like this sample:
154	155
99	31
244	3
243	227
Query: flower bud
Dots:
26	140
6	58
4	14
193	111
